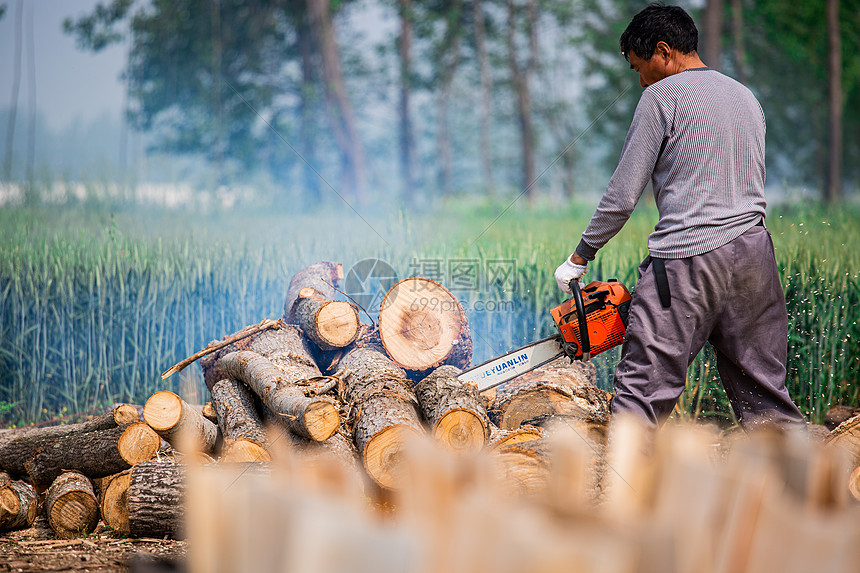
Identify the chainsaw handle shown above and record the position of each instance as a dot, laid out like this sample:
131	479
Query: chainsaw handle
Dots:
580	315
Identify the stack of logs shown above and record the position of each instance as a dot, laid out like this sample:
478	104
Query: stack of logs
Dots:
316	381
320	382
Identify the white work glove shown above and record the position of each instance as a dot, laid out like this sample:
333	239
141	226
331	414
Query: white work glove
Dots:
567	272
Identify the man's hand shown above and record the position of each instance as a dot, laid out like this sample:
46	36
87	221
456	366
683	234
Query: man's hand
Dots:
568	271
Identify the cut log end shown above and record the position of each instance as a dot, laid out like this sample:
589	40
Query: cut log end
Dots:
384	452
321	420
138	443
163	410
71	506
125	414
460	430
420	323
115	502
337	323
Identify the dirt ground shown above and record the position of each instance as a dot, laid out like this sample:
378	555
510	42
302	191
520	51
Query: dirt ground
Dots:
38	549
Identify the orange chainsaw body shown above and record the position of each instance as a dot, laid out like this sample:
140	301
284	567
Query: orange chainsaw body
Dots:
606	305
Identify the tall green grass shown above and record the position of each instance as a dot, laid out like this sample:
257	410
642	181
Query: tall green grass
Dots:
94	304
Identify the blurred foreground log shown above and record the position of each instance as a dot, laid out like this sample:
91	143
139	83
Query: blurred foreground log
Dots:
422	326
71	506
846	437
455	412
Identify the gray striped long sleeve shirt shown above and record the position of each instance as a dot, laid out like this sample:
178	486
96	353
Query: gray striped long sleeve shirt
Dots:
699	137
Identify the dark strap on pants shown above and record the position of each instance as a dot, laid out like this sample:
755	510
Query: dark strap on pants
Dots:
662	282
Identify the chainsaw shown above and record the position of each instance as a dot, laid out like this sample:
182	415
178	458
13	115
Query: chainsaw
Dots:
592	321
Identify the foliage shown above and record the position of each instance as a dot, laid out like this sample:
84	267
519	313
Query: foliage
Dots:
95	305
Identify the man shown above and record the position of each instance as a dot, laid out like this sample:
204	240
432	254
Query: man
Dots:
698	136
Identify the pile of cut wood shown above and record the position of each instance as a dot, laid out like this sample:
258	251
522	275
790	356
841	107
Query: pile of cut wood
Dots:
317	381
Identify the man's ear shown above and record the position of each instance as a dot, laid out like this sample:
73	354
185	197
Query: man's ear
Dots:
663	50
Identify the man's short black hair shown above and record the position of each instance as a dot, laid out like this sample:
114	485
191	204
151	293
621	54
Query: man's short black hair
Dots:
656	23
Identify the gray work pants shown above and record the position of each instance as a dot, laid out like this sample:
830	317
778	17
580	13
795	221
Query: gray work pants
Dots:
730	297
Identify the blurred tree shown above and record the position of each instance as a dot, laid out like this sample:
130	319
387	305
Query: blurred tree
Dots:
712	34
481	53
16	83
794	57
522	21
206	76
406	136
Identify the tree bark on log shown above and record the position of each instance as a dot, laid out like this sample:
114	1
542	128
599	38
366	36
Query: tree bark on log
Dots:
322	277
422	326
454	411
236	413
328	324
557	388
383	411
94	454
19	446
183	426
521	434
71	506
315	418
114	501
19	505
156	500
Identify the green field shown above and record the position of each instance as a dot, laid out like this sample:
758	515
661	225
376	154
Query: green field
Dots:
95	302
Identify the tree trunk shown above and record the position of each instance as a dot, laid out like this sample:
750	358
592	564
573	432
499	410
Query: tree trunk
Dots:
552	389
406	137
16	84
314	418
833	184
450	59
156	494
71	506
20	445
322	277
31	75
738	34
454	411
340	110
215	87
713	34
94	454
486	96
114	501
308	110
383	412
521	80
422	326
328	324
183	426
18	505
